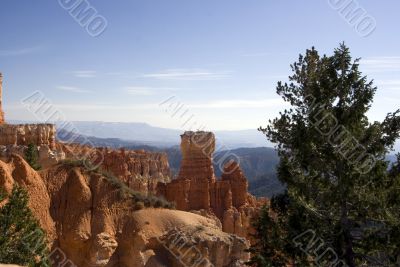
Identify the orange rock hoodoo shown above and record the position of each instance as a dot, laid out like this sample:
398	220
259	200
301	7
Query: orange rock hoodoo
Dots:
197	188
25	134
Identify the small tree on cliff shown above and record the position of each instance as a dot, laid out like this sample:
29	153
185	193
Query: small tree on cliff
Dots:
269	240
22	241
31	156
343	203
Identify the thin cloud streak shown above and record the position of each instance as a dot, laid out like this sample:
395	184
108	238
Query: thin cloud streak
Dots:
221	104
188	75
73	89
268	103
389	83
146	90
261	54
20	52
381	64
91	107
139	91
104	107
85	73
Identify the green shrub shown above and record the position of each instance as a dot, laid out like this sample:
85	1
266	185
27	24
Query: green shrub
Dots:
158	204
200	228
31	156
73	163
139	205
124	190
22	241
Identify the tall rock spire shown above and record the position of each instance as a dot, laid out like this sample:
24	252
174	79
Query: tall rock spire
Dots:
1	100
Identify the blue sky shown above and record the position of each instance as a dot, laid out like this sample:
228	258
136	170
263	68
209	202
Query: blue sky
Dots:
220	59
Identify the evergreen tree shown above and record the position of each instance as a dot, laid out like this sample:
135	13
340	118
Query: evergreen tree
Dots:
22	241
269	242
31	156
343	203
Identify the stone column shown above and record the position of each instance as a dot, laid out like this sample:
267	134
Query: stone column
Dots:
1	100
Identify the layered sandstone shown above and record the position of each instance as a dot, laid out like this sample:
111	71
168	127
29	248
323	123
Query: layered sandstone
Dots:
1	100
26	134
89	223
17	171
197	150
89	219
139	169
47	157
197	188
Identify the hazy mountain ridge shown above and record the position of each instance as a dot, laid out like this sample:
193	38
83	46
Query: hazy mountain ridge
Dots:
161	137
258	163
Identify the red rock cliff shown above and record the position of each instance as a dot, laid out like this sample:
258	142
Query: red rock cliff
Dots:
89	223
25	134
140	170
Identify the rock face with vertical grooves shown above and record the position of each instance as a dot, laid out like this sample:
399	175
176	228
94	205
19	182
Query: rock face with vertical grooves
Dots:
197	188
90	223
197	150
140	170
1	100
26	134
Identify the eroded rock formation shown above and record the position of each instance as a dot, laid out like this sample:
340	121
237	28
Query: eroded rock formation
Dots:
90	220
25	134
1	99
197	150
197	188
89	223
139	169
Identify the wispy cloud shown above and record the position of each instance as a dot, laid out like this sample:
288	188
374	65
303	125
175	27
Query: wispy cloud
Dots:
89	107
115	73
381	64
20	51
188	74
85	73
139	91
75	107
259	54
146	90
73	89
388	83
263	54
268	103
388	87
